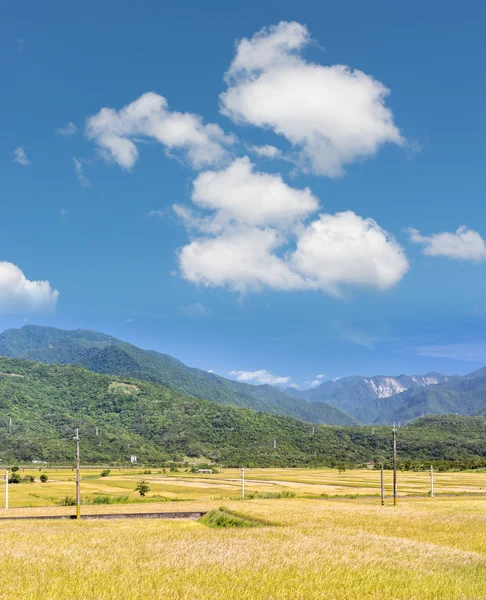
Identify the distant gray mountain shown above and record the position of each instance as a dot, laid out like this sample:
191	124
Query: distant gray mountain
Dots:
367	398
105	354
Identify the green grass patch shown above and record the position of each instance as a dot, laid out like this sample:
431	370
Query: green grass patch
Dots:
223	517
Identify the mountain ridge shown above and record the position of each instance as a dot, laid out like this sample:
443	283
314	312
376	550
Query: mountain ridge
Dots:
103	353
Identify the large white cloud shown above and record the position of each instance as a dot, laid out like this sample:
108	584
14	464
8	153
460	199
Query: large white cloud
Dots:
345	249
464	244
116	132
331	253
241	259
240	194
261	377
18	294
332	114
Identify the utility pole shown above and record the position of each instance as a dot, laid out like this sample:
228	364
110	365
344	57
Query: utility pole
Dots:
394	465
313	430
382	485
6	489
10	424
78	478
431	481
242	483
274	444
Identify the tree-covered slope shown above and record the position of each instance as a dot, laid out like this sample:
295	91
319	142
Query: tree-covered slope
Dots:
104	354
47	402
464	396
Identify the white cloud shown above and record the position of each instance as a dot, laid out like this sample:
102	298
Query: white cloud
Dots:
241	259
332	252
195	311
266	151
261	377
210	371
79	170
332	114
242	195
69	129
315	383
345	249
157	213
20	157
471	352
149	116
18	294
464	244
294	386
320	376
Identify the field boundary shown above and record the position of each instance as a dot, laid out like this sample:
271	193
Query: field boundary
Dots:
149	515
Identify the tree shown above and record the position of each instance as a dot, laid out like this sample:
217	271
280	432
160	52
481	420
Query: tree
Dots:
43	478
142	487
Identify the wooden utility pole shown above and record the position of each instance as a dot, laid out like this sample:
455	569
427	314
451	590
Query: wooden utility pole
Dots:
382	485
78	478
394	465
431	481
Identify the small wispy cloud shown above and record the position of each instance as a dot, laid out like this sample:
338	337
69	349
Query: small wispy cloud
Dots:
471	352
318	380
266	151
261	377
359	338
79	170
20	156
463	244
195	311
69	129
157	213
20	44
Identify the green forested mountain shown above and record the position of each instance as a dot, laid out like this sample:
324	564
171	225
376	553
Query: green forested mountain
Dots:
47	402
463	396
105	354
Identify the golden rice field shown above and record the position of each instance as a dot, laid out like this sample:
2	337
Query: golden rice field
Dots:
422	549
226	484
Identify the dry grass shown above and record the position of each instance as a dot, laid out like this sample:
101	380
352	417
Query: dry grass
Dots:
422	549
226	484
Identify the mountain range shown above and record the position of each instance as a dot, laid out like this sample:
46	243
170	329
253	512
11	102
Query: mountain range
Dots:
105	354
41	405
346	401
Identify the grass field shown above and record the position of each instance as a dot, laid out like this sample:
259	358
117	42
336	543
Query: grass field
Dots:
226	484
422	549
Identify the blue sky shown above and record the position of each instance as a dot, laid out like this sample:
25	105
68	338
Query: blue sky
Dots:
269	260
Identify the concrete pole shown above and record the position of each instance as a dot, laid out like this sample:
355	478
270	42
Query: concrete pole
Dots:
242	483
6	489
431	481
382	486
78	478
395	499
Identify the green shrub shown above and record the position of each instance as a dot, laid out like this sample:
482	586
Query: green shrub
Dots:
43	478
105	473
14	469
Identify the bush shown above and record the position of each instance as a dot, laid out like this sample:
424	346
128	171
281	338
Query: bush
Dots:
67	501
43	478
105	473
14	478
14	469
142	487
28	479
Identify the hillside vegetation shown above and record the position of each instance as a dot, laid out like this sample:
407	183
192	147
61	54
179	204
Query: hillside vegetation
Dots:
47	402
105	354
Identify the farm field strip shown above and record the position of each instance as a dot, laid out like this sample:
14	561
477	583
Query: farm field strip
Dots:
227	484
